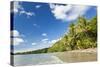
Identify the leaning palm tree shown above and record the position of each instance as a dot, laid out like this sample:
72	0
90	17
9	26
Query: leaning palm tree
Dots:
72	34
82	23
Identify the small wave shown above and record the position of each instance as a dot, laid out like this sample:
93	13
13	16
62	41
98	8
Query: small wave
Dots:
54	60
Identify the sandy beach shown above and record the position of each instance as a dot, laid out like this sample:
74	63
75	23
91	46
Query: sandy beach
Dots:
78	55
85	50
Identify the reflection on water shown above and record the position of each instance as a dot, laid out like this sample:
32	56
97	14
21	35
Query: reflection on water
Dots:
35	59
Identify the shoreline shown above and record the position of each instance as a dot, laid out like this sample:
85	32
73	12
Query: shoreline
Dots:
83	55
88	50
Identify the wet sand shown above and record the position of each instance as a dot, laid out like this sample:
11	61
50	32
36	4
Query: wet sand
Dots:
84	55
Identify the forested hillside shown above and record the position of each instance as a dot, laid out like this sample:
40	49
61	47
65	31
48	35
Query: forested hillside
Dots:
81	35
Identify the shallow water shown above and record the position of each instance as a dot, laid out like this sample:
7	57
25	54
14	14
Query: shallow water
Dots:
53	58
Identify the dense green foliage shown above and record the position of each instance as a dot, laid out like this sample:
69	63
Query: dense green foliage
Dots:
82	35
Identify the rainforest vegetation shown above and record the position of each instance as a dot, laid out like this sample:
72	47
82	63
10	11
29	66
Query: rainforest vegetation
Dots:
82	34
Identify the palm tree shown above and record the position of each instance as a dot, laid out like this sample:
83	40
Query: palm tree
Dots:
72	29
72	34
82	23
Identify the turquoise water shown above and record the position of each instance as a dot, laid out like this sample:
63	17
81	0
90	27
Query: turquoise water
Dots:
35	59
49	58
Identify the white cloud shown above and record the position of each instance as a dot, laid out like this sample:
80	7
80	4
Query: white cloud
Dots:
34	43
45	40
17	41
38	6
68	12
18	8
44	34
50	42
28	14
16	37
54	41
36	25
15	33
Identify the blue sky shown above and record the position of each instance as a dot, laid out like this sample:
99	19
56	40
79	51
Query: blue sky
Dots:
39	25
